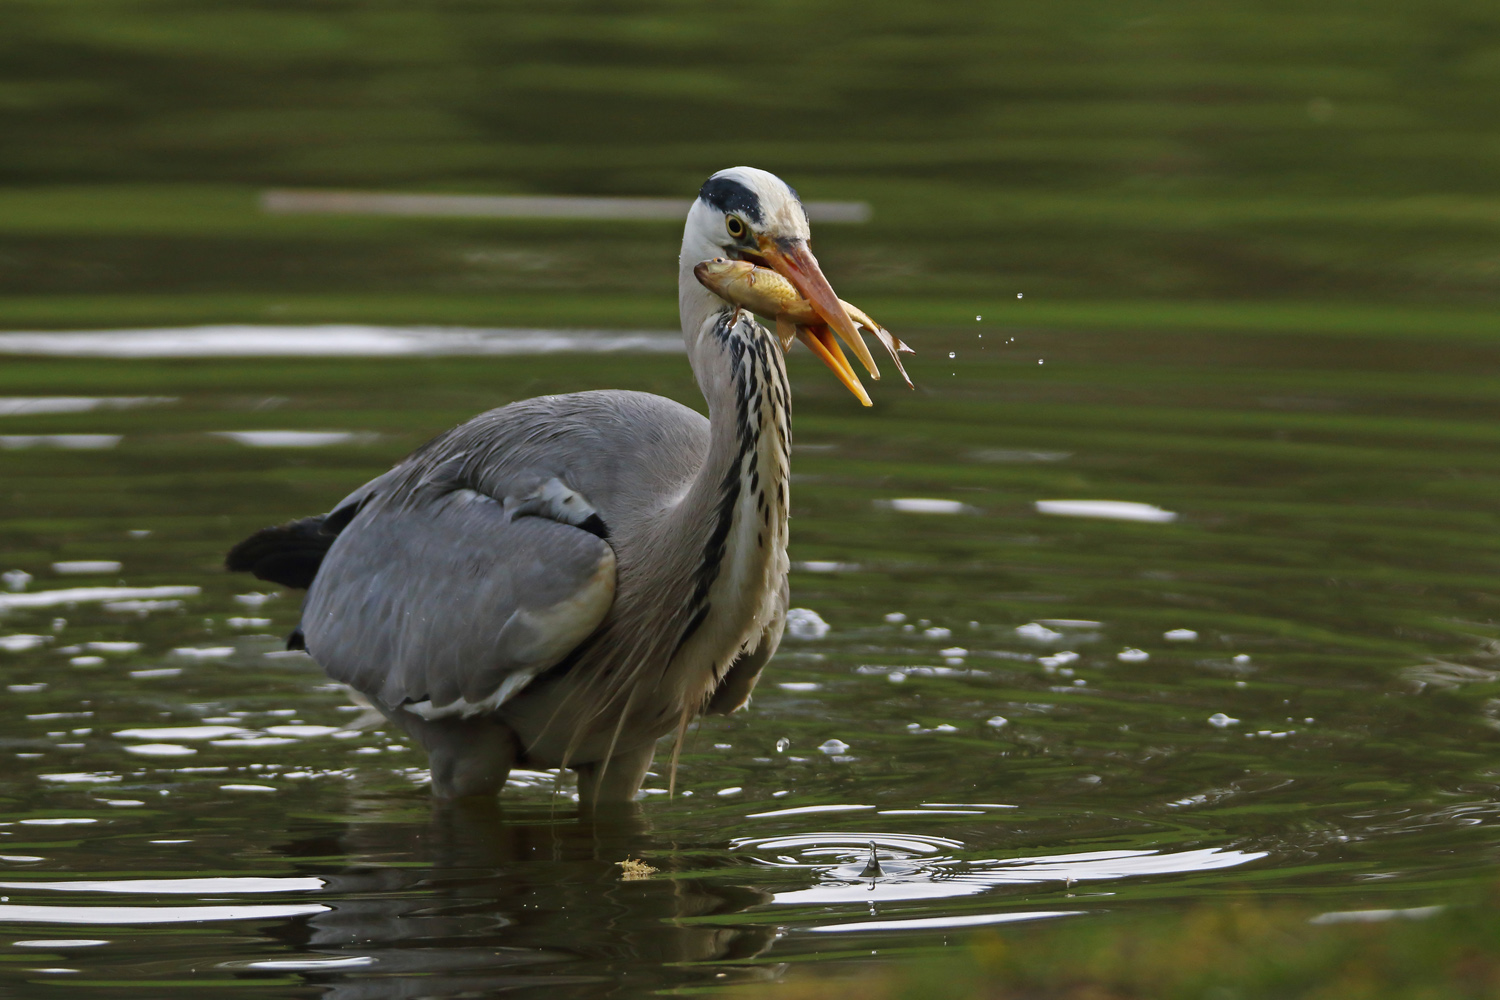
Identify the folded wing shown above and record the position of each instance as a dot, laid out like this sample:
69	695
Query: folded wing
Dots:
449	601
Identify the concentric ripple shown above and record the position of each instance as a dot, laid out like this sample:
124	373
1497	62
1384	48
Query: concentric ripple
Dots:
914	866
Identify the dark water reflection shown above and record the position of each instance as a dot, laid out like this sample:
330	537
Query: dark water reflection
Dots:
1290	690
513	901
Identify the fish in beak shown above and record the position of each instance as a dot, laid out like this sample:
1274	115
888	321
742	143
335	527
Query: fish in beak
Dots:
767	293
794	261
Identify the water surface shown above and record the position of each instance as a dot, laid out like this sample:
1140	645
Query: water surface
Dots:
1289	689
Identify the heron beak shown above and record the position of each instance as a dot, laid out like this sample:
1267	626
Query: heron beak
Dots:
795	263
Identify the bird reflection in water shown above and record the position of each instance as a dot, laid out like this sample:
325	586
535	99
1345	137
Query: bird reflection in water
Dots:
510	900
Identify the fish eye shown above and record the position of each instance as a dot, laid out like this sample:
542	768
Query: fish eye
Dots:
735	227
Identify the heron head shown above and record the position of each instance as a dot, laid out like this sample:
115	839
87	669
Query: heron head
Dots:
747	214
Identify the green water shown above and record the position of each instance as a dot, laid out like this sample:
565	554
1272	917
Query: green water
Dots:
1333	550
1340	152
1256	244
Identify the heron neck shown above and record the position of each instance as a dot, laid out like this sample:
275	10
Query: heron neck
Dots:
736	507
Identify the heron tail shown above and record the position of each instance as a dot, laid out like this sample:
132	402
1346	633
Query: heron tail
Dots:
289	554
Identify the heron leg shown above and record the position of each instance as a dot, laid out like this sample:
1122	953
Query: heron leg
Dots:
467	757
614	780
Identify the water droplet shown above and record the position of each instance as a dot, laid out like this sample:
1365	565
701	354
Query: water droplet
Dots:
978	318
952	354
833	747
872	867
1220	720
1019	295
782	744
1040	361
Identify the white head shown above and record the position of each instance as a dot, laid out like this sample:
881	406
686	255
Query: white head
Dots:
736	206
747	214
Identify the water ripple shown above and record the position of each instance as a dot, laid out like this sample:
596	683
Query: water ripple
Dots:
916	866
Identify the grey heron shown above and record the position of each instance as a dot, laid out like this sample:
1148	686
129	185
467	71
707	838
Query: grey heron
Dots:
562	581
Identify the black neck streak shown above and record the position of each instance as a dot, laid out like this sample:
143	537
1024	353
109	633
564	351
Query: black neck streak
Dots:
753	370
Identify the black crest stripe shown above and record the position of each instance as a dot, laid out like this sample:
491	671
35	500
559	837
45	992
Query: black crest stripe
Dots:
729	195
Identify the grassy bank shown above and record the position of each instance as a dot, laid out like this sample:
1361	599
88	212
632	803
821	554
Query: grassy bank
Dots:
1231	952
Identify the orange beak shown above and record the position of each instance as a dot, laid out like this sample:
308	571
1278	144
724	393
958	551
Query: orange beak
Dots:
796	264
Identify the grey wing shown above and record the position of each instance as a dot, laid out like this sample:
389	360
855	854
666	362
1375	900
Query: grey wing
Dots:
448	603
733	692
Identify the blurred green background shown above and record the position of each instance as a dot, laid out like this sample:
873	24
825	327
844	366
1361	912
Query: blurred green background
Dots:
1117	162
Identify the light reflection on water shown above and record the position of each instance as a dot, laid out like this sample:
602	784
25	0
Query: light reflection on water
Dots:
166	751
328	340
920	867
105	915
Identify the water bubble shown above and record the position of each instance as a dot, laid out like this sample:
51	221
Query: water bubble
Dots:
1037	632
895	617
1019	295
16	579
1220	720
996	721
1040	361
804	623
782	744
1129	655
978	318
834	747
952	354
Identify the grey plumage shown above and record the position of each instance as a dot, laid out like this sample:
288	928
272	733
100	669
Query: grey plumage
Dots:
562	581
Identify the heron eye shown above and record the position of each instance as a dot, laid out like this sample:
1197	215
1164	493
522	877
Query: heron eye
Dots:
735	227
